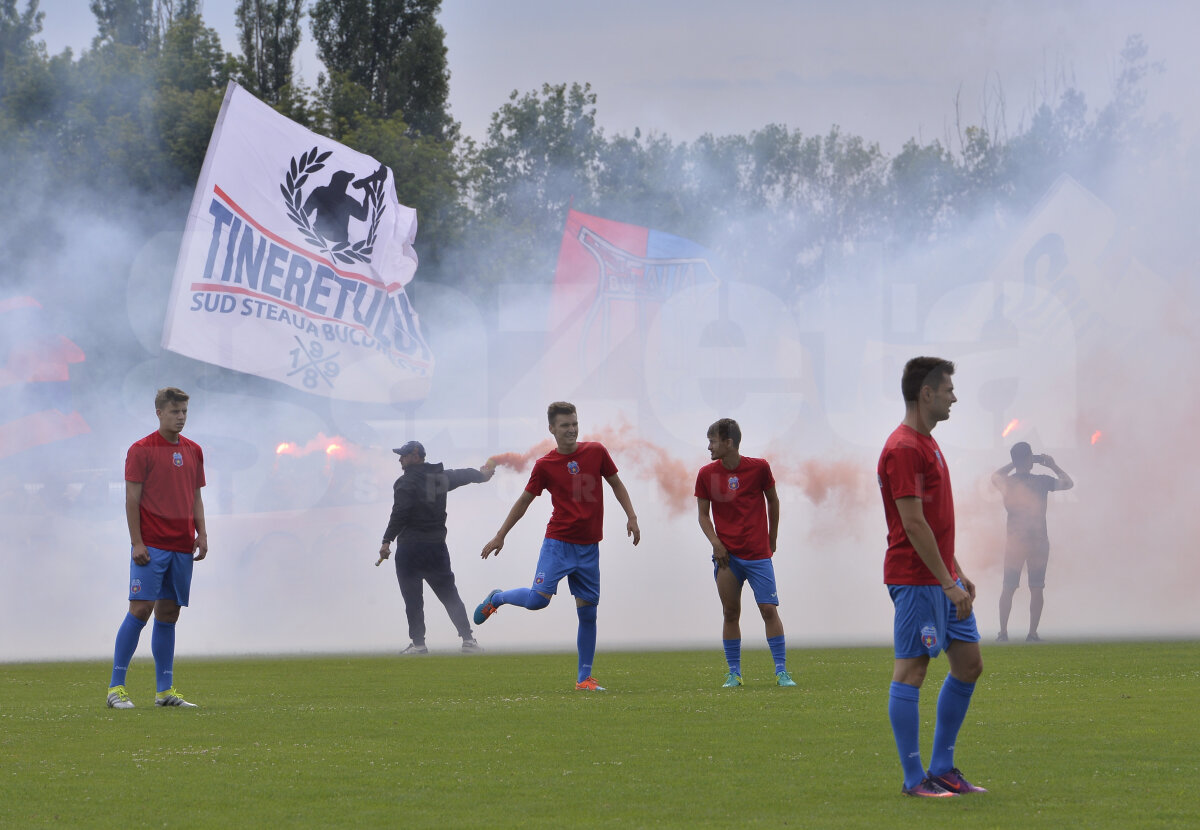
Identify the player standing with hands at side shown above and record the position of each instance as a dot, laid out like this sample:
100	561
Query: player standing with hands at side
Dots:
573	473
740	491
932	597
163	475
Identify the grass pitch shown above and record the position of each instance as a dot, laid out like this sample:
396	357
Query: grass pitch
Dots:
1077	735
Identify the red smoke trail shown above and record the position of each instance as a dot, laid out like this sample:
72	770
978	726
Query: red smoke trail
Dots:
676	479
822	480
520	460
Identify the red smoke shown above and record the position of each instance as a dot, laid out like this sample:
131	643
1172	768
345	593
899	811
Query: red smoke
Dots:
676	479
520	460
821	480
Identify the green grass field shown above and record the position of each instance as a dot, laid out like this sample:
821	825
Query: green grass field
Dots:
1075	735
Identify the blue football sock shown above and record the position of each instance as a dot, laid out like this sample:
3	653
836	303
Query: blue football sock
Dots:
586	640
778	652
524	597
952	705
733	654
904	713
162	646
127	642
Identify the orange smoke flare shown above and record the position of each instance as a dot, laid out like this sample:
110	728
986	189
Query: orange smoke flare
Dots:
1096	436
1013	424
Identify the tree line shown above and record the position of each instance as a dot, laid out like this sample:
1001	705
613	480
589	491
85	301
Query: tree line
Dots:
134	112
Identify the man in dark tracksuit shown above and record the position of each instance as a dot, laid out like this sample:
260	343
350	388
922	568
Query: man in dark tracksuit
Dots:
418	524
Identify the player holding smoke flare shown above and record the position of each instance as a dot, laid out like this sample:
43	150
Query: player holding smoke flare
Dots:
573	473
418	524
931	595
163	475
740	491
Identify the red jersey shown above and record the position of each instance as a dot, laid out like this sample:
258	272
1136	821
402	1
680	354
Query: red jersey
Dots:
739	505
576	485
170	475
912	464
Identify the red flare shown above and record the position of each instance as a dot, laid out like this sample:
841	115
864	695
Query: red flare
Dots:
1013	424
332	446
1096	436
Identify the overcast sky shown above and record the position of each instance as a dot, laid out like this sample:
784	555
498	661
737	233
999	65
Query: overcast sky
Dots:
886	71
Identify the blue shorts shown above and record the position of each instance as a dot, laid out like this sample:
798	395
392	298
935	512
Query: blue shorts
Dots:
926	621
168	575
579	563
761	575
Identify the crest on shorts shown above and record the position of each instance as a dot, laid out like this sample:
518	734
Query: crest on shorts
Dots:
177	458
734	482
573	467
928	636
135	587
540	578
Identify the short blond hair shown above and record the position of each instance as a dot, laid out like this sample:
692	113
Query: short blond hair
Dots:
169	394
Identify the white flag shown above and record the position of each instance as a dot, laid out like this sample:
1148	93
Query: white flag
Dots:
294	262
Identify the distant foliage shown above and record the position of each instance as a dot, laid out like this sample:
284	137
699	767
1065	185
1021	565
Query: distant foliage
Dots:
134	113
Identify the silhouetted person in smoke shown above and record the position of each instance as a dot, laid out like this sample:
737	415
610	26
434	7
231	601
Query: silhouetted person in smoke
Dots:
418	524
1028	542
743	528
335	207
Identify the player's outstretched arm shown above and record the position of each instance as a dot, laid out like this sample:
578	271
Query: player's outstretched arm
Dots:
622	496
514	515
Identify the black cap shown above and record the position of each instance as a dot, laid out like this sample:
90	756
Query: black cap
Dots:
410	446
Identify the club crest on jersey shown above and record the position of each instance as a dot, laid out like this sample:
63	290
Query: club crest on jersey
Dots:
573	467
734	483
135	587
540	578
928	636
177	458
